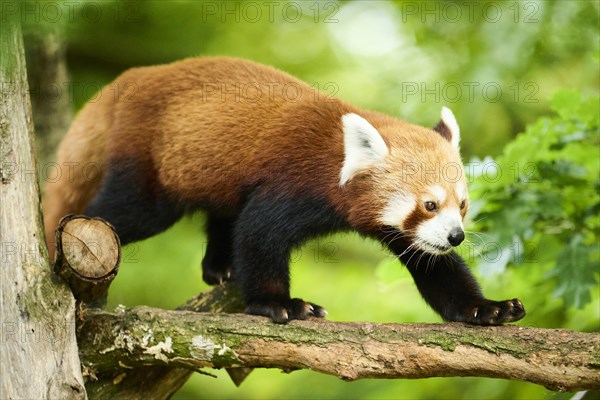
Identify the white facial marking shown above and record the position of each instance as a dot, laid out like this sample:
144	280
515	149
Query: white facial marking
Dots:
399	207
363	146
432	235
439	193
450	121
460	191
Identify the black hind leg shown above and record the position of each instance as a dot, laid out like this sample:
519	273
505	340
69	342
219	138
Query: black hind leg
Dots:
134	205
217	262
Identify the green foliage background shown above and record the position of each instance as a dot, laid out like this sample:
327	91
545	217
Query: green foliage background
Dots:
499	65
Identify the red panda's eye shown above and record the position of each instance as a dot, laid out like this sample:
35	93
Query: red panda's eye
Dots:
430	206
463	204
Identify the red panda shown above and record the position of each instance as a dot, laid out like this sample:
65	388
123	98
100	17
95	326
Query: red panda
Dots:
272	162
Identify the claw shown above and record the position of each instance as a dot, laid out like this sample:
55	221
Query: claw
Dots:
283	311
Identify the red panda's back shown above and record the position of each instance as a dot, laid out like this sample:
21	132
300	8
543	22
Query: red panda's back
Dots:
212	125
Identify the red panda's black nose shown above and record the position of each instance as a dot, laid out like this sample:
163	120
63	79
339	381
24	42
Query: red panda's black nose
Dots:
456	236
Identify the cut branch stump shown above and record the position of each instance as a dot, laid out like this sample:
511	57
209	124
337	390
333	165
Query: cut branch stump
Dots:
88	253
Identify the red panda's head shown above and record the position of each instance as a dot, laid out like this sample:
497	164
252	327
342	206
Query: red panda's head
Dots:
415	178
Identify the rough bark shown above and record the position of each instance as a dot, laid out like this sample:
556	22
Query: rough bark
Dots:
38	349
113	342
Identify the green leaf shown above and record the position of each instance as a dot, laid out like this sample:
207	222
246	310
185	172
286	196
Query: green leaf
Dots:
575	273
570	104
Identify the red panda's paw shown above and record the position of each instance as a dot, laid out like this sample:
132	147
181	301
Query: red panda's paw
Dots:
497	312
283	312
216	277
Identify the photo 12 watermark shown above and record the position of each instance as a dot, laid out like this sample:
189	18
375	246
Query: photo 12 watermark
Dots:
527	12
58	12
470	92
36	332
269	11
71	171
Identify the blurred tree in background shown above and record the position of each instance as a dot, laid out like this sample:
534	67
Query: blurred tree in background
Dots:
495	64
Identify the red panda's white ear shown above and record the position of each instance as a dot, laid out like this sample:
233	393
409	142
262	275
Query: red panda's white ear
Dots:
363	146
448	127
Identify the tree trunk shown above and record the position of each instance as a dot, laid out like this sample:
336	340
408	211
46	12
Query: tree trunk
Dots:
38	351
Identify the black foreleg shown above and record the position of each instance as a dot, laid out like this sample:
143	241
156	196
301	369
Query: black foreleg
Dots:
447	285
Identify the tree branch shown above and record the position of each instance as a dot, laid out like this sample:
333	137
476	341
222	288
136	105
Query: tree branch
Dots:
142	336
